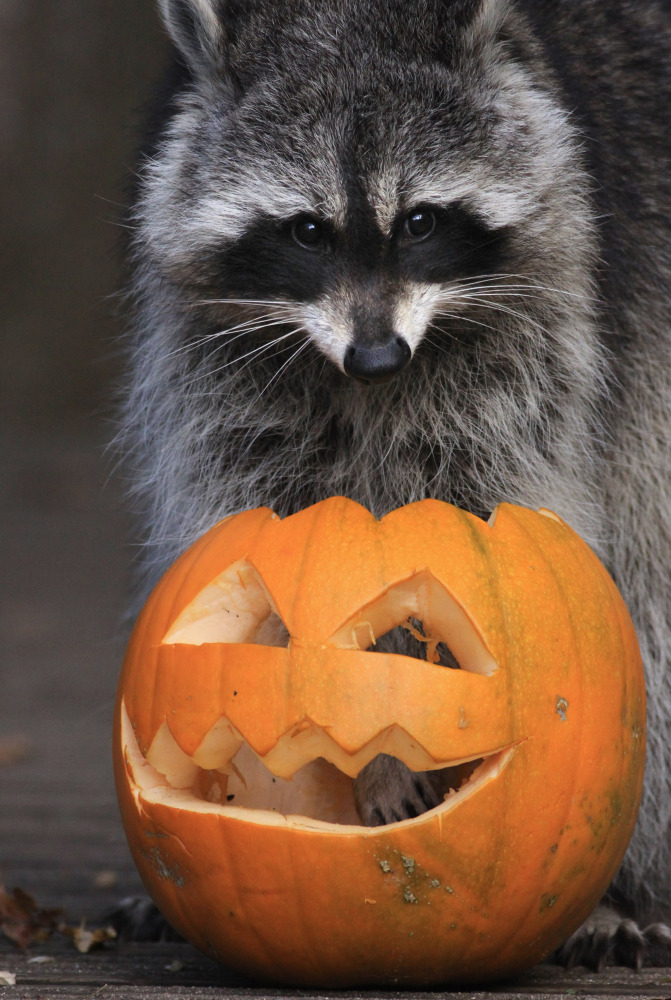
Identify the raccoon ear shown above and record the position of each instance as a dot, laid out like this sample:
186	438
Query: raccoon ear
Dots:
196	27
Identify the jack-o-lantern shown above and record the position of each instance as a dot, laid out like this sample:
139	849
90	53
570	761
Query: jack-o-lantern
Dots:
252	696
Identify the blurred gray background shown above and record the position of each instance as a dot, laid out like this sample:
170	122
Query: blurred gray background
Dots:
75	76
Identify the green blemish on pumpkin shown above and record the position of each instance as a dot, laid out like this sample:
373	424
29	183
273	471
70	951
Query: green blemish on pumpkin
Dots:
171	873
562	708
616	806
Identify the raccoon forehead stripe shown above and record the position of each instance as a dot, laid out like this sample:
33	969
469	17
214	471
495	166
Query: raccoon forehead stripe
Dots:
230	214
232	211
225	213
382	191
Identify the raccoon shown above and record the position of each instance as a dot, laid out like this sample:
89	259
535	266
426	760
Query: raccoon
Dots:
397	249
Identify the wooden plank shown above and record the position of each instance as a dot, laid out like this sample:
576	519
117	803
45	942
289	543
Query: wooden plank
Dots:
177	970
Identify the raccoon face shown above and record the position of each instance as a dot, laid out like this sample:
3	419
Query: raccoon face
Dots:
369	187
351	282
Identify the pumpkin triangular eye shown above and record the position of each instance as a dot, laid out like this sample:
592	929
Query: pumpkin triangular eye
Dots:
235	607
411	639
418	617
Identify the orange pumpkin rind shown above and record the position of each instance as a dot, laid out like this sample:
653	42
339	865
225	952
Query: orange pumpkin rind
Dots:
249	702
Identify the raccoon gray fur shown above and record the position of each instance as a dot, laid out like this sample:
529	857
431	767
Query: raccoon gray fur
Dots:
397	249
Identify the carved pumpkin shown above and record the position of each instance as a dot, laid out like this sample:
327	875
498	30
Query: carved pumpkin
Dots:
252	695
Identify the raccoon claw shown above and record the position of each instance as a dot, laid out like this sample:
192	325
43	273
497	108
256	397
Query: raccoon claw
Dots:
386	791
137	919
607	939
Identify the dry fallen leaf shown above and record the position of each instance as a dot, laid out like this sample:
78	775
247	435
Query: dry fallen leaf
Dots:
7	978
23	921
85	940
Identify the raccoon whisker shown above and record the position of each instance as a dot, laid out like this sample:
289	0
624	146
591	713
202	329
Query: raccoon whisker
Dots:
507	291
258	318
250	326
268	346
498	279
118	223
528	283
434	341
489	298
252	355
242	330
501	288
110	201
257	323
277	303
442	331
486	301
286	364
325	362
502	291
460	318
513	290
499	307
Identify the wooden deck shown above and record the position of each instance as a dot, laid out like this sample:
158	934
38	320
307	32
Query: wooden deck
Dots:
63	575
177	972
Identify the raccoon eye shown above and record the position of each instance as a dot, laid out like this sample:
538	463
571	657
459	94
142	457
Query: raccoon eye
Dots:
308	232
420	223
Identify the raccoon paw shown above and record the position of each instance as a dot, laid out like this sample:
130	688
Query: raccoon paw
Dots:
386	791
137	919
606	938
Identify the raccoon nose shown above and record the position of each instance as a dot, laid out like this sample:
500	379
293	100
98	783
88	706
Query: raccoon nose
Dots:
378	363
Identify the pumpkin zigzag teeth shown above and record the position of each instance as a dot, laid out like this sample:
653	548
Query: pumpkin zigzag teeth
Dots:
302	743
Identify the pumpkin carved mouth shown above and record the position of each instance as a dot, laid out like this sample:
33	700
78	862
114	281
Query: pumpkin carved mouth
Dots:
307	771
318	794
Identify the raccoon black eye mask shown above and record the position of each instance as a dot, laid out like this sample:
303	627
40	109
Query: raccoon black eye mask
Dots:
431	245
